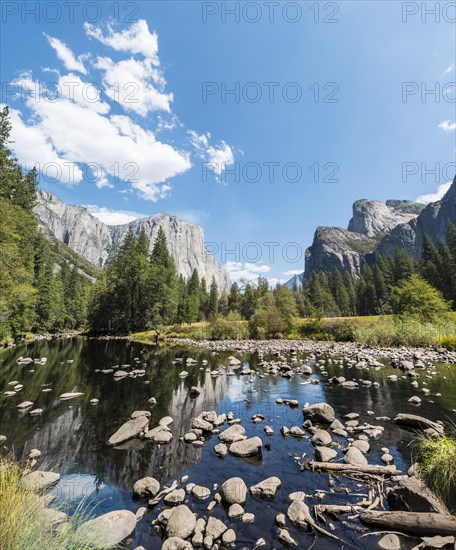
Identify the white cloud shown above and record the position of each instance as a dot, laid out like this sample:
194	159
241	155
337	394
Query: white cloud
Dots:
449	69
32	148
292	272
219	156
129	83
433	197
115	145
79	131
245	271
66	56
72	88
447	126
137	39
112	217
273	281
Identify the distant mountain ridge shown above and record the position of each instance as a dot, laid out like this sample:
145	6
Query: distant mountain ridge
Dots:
378	228
95	241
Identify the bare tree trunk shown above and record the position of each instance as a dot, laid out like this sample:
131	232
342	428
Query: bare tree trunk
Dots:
351	468
417	523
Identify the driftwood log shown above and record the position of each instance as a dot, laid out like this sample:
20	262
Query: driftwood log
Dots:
351	468
417	523
338	509
418	422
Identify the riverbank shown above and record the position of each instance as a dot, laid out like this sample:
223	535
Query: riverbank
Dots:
30	337
381	331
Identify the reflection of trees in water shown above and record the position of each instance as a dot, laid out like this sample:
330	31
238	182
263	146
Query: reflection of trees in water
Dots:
73	433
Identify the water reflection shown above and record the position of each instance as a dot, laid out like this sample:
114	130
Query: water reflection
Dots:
72	434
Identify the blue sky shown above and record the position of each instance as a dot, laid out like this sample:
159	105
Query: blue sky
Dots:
131	116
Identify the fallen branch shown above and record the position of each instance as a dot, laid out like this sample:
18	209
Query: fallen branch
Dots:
338	509
351	468
162	493
418	523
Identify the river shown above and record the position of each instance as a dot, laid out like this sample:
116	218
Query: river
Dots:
72	434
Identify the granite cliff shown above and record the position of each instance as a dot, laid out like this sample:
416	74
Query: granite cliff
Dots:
379	228
76	227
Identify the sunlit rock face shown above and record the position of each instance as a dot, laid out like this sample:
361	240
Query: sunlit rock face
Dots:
88	236
378	228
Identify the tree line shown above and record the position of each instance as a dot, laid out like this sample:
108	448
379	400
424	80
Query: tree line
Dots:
44	289
38	291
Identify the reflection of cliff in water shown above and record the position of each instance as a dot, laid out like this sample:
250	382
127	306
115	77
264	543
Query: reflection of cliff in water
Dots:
75	440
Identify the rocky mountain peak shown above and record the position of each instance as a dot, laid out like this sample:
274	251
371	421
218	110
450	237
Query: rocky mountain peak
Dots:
379	228
91	238
373	218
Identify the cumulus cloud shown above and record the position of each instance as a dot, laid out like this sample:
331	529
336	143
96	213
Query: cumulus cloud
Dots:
112	217
81	130
433	197
130	83
447	126
245	271
111	145
66	56
137	39
292	272
219	156
31	144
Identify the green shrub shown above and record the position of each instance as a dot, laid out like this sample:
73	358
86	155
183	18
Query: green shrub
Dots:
231	327
416	297
448	342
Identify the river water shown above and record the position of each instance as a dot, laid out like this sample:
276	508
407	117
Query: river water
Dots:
72	434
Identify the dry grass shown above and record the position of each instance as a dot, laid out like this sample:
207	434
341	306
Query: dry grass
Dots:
23	524
436	457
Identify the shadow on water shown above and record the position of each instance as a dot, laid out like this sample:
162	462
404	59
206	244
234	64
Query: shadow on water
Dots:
72	434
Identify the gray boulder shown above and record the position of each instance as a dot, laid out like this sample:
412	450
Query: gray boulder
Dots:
411	494
181	522
109	529
147	487
40	480
232	434
319	412
355	456
234	491
176	543
267	488
132	428
247	447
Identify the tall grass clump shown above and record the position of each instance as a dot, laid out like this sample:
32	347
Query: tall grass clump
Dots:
436	457
231	327
23	522
405	331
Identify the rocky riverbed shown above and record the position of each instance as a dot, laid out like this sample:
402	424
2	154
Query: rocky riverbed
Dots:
235	444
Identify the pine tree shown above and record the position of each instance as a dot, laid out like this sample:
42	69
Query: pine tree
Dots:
203	300
248	302
223	303
348	282
193	289
162	284
213	300
403	265
234	298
